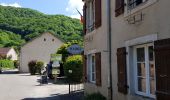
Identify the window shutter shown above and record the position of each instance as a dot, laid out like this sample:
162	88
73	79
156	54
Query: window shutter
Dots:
162	67
121	70
98	15
98	69
84	68
119	7
84	19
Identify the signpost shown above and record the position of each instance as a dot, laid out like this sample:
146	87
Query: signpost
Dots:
74	49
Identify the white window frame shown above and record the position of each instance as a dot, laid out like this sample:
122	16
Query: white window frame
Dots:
147	94
134	6
90	16
91	74
141	6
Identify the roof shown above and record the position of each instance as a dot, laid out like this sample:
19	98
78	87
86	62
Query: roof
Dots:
41	35
4	51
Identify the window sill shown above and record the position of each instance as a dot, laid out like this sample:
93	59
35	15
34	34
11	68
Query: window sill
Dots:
139	7
146	96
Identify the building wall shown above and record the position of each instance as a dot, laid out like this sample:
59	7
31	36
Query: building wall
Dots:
13	54
38	49
155	22
96	41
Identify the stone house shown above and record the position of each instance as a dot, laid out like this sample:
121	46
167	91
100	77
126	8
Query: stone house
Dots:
138	33
39	48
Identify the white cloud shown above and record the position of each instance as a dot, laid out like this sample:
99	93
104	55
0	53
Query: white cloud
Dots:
72	6
11	4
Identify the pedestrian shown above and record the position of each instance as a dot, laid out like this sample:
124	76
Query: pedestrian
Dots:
49	67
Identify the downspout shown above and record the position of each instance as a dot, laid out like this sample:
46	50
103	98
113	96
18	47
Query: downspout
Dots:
109	48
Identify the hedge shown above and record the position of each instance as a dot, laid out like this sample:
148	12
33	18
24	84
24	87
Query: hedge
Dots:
95	96
35	67
74	63
5	63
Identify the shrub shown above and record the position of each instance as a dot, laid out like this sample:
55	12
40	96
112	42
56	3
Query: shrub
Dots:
95	96
74	63
32	67
5	63
16	63
39	66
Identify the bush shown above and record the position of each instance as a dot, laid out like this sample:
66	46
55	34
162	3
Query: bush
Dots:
95	96
5	63
32	67
39	66
74	63
16	63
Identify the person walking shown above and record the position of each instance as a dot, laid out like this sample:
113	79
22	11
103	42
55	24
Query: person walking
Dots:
49	66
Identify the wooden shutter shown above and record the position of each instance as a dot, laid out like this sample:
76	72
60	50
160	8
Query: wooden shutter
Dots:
121	70
98	15
119	7
84	19
162	67
98	69
84	68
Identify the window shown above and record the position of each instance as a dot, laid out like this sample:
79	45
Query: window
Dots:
91	68
44	39
133	3
53	40
144	70
90	16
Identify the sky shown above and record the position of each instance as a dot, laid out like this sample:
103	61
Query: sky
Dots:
64	7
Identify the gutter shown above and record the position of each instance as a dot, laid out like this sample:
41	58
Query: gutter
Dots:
110	88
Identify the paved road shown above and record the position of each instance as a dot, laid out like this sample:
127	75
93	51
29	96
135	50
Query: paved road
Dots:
26	87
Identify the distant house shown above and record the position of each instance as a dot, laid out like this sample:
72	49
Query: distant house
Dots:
39	48
9	53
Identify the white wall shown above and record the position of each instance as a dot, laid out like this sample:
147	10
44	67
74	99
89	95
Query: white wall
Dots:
38	49
13	54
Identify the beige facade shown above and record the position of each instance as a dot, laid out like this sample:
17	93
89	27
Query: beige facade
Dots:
12	53
151	24
138	26
95	42
39	49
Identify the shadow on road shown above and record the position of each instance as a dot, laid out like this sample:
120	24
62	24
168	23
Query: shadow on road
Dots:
73	96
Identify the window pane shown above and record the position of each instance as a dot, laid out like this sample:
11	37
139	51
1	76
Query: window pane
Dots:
151	58
141	69
152	70
140	54
141	84
138	2
152	86
93	76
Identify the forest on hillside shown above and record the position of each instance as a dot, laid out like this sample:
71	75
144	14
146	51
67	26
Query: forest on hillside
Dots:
19	25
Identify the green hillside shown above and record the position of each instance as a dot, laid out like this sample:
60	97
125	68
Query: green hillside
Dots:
24	24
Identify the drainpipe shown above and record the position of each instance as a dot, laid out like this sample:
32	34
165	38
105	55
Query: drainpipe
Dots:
109	48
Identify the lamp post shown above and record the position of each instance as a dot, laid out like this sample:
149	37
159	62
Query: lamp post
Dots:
70	72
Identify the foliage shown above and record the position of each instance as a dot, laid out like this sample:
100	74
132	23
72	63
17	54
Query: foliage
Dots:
16	63
74	63
9	39
5	63
35	67
29	23
32	67
63	49
95	96
39	66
